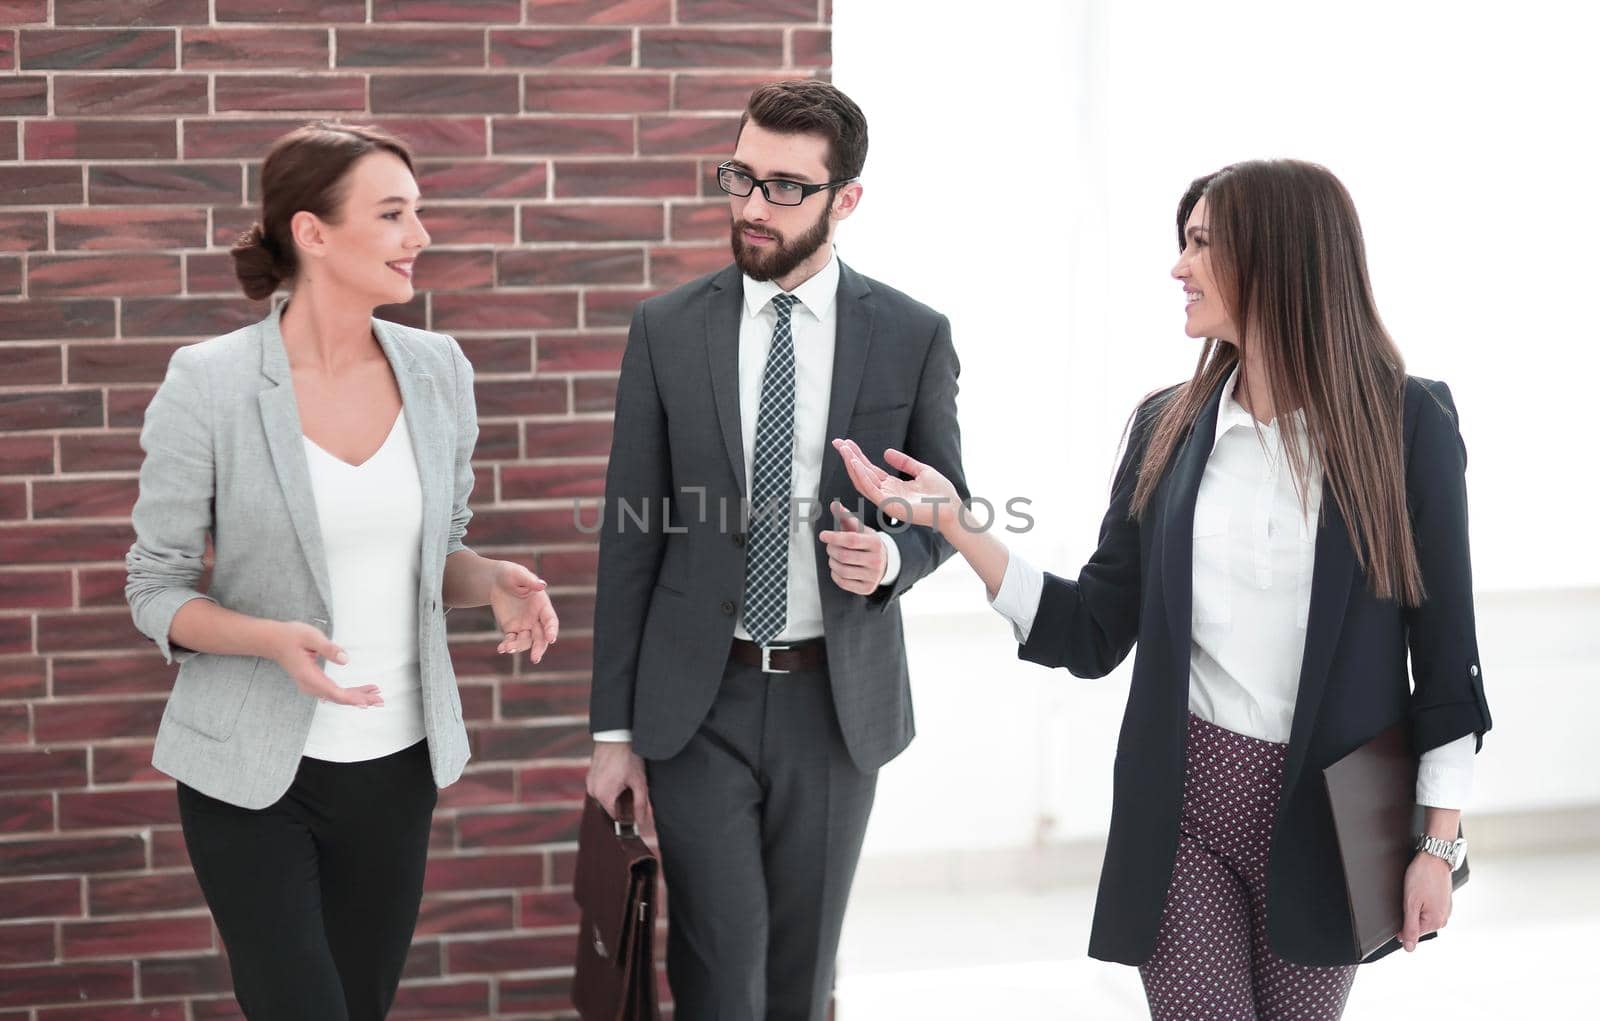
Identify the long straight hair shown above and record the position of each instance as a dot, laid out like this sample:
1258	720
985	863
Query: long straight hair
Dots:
1288	257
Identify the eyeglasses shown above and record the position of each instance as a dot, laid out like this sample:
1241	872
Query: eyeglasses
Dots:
779	192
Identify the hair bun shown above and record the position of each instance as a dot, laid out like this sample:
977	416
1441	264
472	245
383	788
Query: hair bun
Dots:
255	262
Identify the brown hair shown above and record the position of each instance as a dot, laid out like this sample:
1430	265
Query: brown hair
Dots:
304	170
805	105
1288	257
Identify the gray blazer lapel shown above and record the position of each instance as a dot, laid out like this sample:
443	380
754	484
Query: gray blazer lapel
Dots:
431	437
852	342
722	348
280	420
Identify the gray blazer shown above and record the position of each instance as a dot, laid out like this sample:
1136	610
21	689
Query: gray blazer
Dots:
224	459
669	588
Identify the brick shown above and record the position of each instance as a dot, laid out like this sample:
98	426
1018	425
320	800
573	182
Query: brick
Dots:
423	960
232	49
812	47
24	12
571	438
24	231
54	543
501	313
146	95
187	317
746	11
168	850
241	139
498	441
480	179
465	914
185	976
76	409
171	1010
546	909
131	764
515	953
129	229
727	92
103	275
22	813
708	221
554	784
13	501
281	93
410	47
611	308
125	405
589	93
680	264
483	872
561	47
101	586
97	49
40	186
456	271
552	481
519	397
222	1008
42	898
474	11
143	894
57	983
527	700
570	266
92	721
431	137
141	936
189	185
312	12
25	96
687	136
520	827
41	770
522	528
80	632
564	136
690	47
413	313
587	352
209	273
471	225
492	356
22	677
133	674
571	568
600	12
66	855
584	222
57	320
8	50
559	741
131	12
35	590
16	634
453	999
444	93
479	787
91	810
546	994
626	179
122	362
27	365
87	498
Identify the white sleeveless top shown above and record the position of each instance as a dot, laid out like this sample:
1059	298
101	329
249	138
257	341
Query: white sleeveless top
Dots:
371	520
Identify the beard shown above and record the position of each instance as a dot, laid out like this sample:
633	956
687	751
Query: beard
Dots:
784	256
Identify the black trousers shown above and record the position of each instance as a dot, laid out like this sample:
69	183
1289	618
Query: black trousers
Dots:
316	896
761	818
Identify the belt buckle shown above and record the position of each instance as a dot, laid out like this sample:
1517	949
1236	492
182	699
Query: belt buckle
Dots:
766	658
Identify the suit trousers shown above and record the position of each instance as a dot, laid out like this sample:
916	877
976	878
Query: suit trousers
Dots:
761	818
316	896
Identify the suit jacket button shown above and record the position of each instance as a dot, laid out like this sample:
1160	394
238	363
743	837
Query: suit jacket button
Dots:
727	607
1473	670
738	539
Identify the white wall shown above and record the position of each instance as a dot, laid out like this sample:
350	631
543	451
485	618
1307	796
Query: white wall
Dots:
1026	162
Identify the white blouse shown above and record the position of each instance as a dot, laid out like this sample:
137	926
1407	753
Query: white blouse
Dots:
1254	552
371	520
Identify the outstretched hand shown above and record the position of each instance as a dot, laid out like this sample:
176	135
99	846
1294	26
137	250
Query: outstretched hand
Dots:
523	611
924	497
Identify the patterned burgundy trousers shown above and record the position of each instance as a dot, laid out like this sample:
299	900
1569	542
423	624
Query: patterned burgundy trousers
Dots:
1211	958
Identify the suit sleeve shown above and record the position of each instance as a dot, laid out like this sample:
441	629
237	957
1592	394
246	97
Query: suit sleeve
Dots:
1447	698
639	474
173	513
934	438
1089	625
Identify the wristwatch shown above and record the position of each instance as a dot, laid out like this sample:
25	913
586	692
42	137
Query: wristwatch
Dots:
1452	851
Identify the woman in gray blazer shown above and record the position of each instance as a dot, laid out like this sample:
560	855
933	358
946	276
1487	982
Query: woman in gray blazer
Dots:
326	456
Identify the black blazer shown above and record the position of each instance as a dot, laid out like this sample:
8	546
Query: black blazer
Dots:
1353	679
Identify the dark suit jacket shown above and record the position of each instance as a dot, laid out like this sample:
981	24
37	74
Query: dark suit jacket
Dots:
1353	679
669	589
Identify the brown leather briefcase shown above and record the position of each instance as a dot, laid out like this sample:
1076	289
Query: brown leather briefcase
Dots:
1372	793
615	887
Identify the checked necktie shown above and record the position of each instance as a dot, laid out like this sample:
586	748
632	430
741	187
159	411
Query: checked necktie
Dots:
766	566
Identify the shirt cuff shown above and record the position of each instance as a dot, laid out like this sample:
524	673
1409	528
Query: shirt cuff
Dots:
613	736
891	549
1019	595
1444	774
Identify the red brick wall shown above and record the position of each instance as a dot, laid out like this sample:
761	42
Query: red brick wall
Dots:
565	147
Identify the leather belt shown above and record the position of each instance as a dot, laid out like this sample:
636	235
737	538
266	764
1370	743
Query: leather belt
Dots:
776	658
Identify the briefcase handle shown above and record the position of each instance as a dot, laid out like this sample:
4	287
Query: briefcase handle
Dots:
623	823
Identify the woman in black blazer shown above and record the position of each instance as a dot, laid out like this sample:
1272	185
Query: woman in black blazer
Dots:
1284	529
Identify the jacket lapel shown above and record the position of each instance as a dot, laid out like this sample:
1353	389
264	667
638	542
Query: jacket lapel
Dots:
1331	578
723	313
1177	524
852	342
432	441
280	420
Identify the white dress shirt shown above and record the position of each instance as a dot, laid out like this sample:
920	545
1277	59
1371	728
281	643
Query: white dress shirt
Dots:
813	324
1254	552
370	516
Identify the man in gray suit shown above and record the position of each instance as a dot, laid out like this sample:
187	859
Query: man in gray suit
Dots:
750	671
